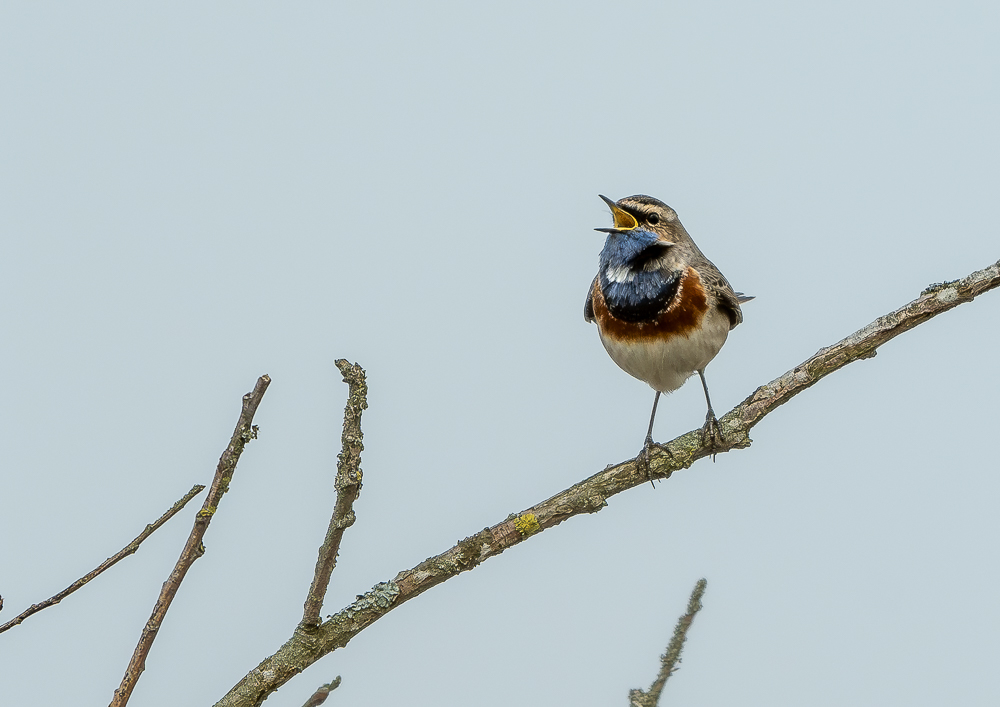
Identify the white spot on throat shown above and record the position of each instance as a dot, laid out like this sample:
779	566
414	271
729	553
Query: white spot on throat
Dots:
619	273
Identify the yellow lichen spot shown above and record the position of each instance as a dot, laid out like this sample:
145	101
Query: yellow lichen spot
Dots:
527	524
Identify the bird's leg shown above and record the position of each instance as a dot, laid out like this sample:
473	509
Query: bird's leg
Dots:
711	432
644	456
652	416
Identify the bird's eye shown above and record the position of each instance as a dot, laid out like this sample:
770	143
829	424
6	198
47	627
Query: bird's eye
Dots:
652	219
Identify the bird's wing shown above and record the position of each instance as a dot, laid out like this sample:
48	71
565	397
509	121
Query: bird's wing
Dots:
588	306
716	283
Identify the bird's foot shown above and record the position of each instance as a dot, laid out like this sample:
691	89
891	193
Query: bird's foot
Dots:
645	457
711	433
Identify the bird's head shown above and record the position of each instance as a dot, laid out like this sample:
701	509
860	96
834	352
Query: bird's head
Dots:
641	212
645	232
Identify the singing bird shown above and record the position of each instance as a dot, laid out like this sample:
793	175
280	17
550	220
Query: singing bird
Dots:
662	309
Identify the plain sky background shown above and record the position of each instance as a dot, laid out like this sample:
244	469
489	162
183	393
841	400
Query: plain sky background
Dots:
193	195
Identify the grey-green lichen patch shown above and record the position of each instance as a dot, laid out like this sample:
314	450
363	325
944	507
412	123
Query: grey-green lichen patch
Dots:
937	286
380	598
948	294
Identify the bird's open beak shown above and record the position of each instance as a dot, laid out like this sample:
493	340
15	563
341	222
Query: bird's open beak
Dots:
624	221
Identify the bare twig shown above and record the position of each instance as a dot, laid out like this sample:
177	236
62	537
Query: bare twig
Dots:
319	697
668	661
589	496
193	549
120	555
348	485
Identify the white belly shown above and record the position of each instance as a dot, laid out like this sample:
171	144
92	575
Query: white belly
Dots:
665	365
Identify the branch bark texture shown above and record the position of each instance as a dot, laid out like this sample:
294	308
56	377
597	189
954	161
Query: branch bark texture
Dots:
108	563
193	548
589	496
348	485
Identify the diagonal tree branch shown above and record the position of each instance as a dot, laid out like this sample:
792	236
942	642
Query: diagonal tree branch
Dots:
193	549
108	563
348	485
668	661
589	496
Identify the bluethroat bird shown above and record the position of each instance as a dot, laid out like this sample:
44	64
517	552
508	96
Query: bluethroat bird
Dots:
663	310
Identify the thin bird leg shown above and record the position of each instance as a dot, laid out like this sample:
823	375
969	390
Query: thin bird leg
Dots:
647	448
711	432
652	416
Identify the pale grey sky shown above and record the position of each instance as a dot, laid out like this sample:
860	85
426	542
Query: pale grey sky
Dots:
195	195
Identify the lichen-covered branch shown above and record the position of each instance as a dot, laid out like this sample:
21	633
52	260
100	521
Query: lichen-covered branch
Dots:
590	495
120	555
348	485
934	300
670	659
193	549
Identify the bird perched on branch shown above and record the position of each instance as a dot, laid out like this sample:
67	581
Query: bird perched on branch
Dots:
663	310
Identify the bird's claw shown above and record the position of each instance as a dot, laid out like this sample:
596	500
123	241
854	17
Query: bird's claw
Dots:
711	433
645	457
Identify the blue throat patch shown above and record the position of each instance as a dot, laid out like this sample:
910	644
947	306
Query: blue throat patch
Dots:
643	294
